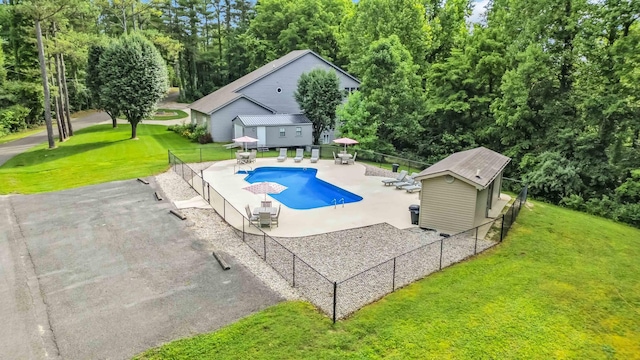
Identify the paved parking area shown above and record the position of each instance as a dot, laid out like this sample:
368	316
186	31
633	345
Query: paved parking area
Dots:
104	272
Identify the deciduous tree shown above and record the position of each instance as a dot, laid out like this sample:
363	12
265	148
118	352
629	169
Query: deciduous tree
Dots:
319	95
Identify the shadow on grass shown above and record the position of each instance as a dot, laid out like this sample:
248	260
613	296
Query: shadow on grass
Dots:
124	128
42	156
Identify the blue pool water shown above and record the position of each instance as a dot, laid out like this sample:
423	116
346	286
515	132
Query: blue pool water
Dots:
304	189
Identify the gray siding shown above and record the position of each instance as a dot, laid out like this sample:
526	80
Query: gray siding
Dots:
481	207
199	118
448	208
273	138
221	127
286	78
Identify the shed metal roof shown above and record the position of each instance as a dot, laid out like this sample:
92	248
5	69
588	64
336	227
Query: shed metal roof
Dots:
478	166
273	120
231	91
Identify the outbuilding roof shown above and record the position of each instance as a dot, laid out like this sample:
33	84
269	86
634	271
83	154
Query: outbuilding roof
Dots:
231	91
273	120
478	166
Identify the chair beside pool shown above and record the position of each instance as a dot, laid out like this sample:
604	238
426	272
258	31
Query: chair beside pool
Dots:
252	218
299	155
274	218
283	155
265	219
253	155
352	160
336	160
399	178
315	155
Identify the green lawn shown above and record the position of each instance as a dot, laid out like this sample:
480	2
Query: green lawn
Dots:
169	114
20	135
562	285
99	154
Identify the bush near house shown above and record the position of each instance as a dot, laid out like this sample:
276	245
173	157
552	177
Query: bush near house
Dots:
192	132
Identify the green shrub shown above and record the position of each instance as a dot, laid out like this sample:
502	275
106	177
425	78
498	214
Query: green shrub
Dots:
192	132
13	119
573	201
629	214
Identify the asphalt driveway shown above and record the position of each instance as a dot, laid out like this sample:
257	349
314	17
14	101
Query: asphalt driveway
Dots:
104	272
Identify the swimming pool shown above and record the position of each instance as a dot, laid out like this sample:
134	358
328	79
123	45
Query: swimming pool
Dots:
304	189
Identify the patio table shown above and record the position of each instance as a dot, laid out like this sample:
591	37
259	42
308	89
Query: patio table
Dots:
258	210
345	158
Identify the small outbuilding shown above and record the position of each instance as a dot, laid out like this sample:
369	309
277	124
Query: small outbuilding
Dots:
275	130
461	191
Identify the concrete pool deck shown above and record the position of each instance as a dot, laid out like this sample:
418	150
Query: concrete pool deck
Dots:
379	204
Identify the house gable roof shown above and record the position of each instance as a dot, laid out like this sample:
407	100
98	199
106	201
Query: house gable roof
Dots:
478	167
273	120
230	92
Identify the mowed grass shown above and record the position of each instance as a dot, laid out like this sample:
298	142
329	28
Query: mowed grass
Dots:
563	285
99	154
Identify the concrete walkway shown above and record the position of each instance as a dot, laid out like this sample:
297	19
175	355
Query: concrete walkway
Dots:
13	148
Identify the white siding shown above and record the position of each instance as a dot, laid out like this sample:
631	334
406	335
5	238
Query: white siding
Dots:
448	208
497	186
265	90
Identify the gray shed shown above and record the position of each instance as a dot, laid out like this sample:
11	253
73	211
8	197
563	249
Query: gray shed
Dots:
276	130
461	191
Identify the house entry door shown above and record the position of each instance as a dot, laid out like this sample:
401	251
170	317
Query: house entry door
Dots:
262	136
237	131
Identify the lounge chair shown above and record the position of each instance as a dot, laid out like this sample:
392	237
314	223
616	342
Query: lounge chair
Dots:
253	219
315	155
353	159
253	155
399	178
274	218
414	187
407	181
265	219
283	155
299	155
336	159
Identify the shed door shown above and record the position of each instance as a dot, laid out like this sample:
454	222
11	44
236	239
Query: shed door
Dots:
237	131
262	136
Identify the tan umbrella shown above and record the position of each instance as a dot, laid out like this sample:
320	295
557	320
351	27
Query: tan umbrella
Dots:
265	187
345	141
245	140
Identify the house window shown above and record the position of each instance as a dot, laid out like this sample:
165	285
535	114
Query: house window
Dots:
282	132
298	131
325	138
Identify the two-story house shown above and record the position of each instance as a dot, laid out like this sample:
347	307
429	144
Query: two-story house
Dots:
261	104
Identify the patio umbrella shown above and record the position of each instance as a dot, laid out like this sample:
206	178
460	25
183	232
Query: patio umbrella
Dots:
265	187
245	140
345	141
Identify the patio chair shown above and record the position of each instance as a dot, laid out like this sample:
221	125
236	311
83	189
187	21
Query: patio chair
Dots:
266	203
252	218
336	159
414	187
265	219
274	218
353	159
315	155
283	155
299	155
240	159
253	155
399	178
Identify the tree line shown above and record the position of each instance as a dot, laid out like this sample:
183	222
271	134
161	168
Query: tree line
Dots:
555	85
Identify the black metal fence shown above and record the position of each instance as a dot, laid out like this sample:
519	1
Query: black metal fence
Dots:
378	159
339	299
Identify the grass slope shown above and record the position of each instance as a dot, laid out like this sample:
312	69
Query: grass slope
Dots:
563	285
99	154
